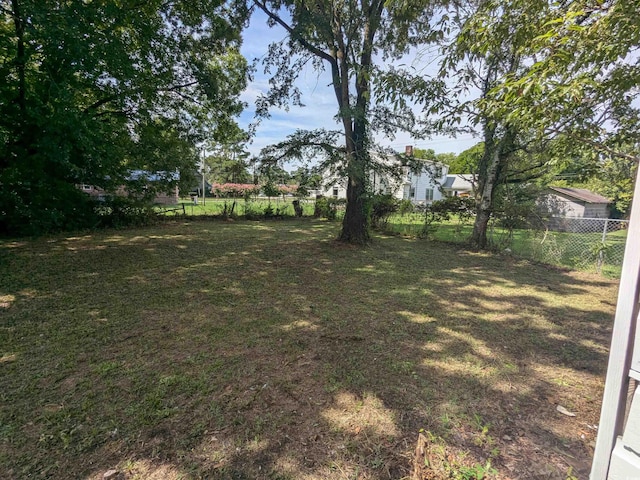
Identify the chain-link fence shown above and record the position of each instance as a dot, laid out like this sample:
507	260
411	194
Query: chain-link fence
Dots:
595	244
583	243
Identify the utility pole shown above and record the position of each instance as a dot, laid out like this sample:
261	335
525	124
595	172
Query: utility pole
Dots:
203	192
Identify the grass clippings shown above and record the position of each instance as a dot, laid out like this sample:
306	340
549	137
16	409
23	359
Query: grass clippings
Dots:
267	350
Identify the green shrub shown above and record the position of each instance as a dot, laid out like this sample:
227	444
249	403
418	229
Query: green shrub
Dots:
268	212
405	207
118	212
442	210
251	212
382	206
515	216
42	205
327	208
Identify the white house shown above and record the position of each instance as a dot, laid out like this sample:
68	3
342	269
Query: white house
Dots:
420	184
332	186
423	186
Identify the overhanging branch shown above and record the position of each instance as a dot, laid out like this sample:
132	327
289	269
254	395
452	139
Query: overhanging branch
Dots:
305	43
600	146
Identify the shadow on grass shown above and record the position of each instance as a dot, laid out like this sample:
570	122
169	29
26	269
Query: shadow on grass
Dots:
266	350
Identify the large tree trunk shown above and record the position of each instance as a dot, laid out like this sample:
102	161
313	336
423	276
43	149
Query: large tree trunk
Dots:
485	195
355	225
479	235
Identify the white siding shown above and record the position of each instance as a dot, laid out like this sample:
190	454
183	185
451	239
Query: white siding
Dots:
332	186
431	177
625	464
631	435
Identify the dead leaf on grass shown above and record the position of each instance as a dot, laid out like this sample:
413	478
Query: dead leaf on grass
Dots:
564	411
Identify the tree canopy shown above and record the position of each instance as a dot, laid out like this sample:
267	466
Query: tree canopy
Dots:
542	83
96	89
583	81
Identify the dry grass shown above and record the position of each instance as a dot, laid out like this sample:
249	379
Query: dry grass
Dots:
266	350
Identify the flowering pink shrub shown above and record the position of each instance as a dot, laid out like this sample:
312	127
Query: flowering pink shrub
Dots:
246	189
286	189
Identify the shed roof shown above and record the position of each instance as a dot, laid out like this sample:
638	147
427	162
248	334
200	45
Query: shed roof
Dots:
581	194
459	181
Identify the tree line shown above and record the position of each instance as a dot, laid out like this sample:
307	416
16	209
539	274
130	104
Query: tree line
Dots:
96	89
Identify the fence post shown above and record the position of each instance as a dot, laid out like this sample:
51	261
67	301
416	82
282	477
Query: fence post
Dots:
604	230
604	239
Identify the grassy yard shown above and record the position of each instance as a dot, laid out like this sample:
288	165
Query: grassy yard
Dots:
265	350
216	206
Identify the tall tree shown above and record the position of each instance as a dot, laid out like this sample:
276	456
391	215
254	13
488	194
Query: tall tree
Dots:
570	86
225	168
95	89
345	36
467	161
539	81
486	52
425	154
229	162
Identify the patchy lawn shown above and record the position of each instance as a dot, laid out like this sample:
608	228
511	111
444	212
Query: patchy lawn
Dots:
266	350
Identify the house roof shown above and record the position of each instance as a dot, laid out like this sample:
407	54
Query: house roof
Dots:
152	176
581	194
396	158
459	182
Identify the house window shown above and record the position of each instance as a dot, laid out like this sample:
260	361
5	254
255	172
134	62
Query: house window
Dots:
429	195
412	192
335	192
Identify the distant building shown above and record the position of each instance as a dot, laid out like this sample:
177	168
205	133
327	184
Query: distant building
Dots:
459	185
421	184
574	203
168	197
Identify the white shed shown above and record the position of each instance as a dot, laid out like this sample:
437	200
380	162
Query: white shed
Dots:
574	202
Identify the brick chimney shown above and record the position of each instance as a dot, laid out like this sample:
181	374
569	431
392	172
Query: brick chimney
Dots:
408	150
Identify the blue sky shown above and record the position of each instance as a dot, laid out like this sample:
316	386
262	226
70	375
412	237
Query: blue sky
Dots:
317	96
